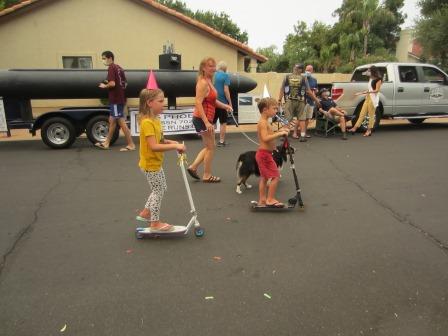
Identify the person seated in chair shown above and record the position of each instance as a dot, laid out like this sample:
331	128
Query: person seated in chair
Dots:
330	110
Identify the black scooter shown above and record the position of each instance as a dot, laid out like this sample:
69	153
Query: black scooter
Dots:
297	198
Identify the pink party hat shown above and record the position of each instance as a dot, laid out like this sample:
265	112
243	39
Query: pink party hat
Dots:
152	83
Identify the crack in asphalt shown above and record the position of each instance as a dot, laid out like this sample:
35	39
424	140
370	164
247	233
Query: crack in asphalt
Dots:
402	219
77	160
28	228
81	161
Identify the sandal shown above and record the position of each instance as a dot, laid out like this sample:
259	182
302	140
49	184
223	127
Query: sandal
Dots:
275	205
101	145
127	149
165	227
212	179
193	173
142	219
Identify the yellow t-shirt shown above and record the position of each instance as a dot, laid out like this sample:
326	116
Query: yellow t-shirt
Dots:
149	160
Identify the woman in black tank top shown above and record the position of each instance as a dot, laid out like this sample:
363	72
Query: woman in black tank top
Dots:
376	80
371	102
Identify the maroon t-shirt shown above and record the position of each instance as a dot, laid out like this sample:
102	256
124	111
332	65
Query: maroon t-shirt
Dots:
116	94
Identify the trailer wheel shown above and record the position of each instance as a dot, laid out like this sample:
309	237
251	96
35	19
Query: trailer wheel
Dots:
97	129
416	121
58	133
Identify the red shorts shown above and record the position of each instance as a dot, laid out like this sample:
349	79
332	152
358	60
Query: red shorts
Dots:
266	164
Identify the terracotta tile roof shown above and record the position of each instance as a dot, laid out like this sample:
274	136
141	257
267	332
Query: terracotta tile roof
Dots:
154	4
17	6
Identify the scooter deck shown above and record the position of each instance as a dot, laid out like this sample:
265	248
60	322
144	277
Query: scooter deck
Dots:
146	232
255	207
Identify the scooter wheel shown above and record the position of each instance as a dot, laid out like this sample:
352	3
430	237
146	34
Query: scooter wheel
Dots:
292	201
198	232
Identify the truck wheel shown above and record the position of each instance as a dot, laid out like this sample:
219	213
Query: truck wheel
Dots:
97	129
416	121
58	133
365	123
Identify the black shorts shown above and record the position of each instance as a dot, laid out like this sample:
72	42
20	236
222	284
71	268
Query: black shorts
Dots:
199	125
221	115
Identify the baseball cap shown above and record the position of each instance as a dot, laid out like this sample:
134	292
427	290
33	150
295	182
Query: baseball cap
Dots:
323	90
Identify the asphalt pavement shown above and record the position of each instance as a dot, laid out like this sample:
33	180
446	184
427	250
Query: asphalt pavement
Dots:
368	256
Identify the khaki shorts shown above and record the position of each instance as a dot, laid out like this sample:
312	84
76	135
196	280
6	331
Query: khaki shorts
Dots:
307	113
332	117
294	108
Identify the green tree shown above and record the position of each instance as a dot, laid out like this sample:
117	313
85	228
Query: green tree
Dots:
428	7
432	30
8	3
364	14
219	21
346	31
366	31
222	23
327	55
298	47
276	61
387	27
349	43
178	6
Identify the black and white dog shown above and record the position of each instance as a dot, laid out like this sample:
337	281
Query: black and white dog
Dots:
247	165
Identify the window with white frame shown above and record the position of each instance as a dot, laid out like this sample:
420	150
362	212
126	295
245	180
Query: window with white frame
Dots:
77	62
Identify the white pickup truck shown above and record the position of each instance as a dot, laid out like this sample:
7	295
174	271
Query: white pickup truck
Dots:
410	91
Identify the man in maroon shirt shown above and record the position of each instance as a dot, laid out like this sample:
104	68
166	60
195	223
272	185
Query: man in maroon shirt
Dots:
115	84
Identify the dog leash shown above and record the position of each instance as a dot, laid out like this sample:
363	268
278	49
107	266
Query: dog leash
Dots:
247	137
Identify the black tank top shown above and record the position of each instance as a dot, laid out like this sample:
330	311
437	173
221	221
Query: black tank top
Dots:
374	83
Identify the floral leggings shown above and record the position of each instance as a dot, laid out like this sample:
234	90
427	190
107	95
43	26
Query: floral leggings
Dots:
157	184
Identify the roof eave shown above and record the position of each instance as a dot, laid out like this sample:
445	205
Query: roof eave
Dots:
234	43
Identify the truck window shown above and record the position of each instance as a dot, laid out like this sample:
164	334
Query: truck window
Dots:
408	74
359	75
432	75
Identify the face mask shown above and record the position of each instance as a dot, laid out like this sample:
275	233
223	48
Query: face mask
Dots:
307	73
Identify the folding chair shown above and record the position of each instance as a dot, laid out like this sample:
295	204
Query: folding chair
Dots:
325	125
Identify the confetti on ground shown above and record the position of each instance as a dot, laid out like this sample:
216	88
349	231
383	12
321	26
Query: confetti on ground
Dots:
228	218
274	271
209	297
267	296
64	328
396	315
423	195
217	258
129	251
